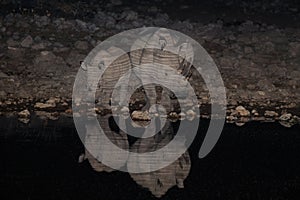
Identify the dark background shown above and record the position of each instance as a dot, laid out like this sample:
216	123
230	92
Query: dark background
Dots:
281	12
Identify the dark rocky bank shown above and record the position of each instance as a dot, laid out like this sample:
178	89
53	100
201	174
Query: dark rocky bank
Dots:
42	44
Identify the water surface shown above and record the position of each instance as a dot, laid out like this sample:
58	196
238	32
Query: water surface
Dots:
255	161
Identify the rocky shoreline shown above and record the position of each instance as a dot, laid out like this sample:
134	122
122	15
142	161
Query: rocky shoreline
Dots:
55	108
40	56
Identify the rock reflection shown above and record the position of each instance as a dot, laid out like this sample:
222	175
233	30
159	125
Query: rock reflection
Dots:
158	182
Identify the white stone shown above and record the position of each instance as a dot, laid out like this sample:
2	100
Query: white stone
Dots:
24	114
27	42
242	111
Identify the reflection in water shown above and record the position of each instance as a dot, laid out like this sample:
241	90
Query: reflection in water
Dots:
99	148
256	161
158	182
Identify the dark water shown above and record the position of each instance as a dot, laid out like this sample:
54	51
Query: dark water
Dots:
255	161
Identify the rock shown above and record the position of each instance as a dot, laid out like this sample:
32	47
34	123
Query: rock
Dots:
47	115
248	50
248	27
110	22
285	117
231	118
287	120
294	49
125	112
271	114
53	101
69	111
12	43
124	109
296	119
2	94
81	158
27	42
226	63
39	46
3	75
16	36
116	2
22	24
240	123
45	56
266	85
140	115
182	25
261	93
291	105
24	114
173	115
81	45
243	112
49	65
61	24
182	115
161	19
254	112
37	39
153	9
41	21
102	19
81	24
251	87
269	47
7	102
44	105
74	58
153	112
286	124
92	28
129	15
24	120
190	115
244	119
16	53
9	19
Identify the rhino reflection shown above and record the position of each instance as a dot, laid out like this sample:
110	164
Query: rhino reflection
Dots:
95	143
158	182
